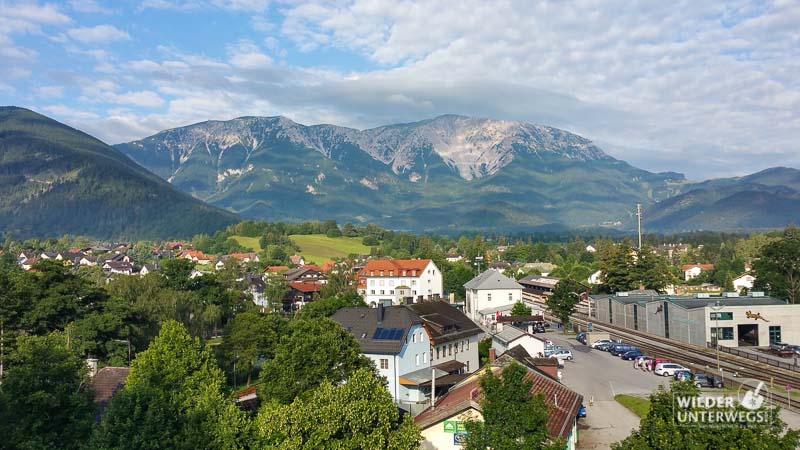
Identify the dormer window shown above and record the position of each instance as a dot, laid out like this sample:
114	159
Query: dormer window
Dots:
372	273
404	273
381	273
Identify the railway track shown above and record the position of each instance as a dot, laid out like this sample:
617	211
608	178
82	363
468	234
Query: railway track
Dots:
734	369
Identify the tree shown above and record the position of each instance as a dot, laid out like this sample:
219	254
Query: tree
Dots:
616	265
651	271
172	399
175	273
565	297
454	276
313	351
358	414
520	309
659	430
275	291
45	402
778	268
513	418
251	336
325	307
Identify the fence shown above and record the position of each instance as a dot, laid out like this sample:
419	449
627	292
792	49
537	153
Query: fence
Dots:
788	365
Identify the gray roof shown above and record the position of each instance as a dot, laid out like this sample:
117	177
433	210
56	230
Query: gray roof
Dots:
444	322
363	323
494	309
689	302
509	333
492	279
423	375
540	280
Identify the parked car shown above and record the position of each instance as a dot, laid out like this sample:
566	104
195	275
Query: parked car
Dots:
668	369
562	354
553	350
795	349
631	355
606	346
622	348
581	411
538	328
655	362
599	342
581	337
702	380
682	375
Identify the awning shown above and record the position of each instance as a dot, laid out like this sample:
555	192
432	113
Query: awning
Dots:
417	377
451	366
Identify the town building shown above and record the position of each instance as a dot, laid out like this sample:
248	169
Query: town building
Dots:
392	281
394	338
509	337
536	289
691	271
490	289
454	338
443	425
744	281
752	320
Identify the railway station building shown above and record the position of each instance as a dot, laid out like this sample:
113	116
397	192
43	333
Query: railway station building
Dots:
736	321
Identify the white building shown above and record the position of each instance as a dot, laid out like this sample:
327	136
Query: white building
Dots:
390	281
744	282
691	271
454	337
491	289
395	340
596	278
511	336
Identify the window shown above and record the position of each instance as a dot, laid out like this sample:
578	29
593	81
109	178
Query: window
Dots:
721	316
420	337
467	345
384	363
774	334
382	282
424	357
416	358
437	353
414	338
467	366
391	292
372	282
391	282
413	282
372	292
450	349
488	297
725	333
382	292
510	297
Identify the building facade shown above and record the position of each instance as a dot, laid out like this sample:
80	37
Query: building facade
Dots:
390	282
490	289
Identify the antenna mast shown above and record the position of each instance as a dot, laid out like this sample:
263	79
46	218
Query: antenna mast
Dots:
639	219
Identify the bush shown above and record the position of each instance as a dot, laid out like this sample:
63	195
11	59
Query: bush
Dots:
333	233
370	241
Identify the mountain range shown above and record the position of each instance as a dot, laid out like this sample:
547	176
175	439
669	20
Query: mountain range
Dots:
56	180
448	173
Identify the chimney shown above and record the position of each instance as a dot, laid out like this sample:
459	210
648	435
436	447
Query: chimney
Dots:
492	354
380	312
92	363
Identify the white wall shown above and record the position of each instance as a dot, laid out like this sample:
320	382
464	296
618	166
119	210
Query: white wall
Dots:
478	299
428	283
468	356
434	437
417	345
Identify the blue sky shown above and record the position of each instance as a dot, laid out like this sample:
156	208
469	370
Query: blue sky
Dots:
705	88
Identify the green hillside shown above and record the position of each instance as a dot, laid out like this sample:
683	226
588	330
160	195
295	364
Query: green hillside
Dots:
56	180
319	248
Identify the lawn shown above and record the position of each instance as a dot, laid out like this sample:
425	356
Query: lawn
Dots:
639	406
251	242
319	248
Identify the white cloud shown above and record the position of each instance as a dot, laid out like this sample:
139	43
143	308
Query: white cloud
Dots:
146	99
100	34
49	91
68	114
89	6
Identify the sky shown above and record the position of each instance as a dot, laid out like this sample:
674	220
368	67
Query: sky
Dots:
706	88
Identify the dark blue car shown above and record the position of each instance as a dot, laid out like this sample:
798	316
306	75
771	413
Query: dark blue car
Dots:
581	411
631	355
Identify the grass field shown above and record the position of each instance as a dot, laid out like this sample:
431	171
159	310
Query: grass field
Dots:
251	242
639	406
319	248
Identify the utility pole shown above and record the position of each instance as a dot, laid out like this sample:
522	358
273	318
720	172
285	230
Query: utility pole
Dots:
2	348
639	220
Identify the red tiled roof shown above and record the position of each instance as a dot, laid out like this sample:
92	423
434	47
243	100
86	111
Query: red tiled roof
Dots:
107	382
686	267
328	265
312	267
276	269
395	267
243	256
563	402
303	286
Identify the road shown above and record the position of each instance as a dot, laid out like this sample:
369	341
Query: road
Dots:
598	375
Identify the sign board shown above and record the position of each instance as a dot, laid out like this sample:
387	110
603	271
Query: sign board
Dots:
460	438
589	327
454	426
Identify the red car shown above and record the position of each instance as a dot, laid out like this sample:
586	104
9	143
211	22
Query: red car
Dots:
654	362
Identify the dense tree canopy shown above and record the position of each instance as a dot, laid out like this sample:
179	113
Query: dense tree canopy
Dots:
358	414
778	268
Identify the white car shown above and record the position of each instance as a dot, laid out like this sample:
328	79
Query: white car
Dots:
562	354
668	369
597	343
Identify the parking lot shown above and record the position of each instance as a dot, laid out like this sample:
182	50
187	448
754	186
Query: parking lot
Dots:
598	375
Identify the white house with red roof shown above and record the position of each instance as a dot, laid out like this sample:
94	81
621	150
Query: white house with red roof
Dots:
694	270
389	281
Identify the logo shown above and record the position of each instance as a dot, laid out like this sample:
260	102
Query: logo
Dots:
751	406
755	316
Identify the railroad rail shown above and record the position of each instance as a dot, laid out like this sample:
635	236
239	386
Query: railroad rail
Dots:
733	368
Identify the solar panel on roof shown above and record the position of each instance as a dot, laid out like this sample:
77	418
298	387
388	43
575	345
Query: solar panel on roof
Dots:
390	334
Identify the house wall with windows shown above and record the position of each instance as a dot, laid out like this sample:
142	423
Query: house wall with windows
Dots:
414	356
389	281
478	299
